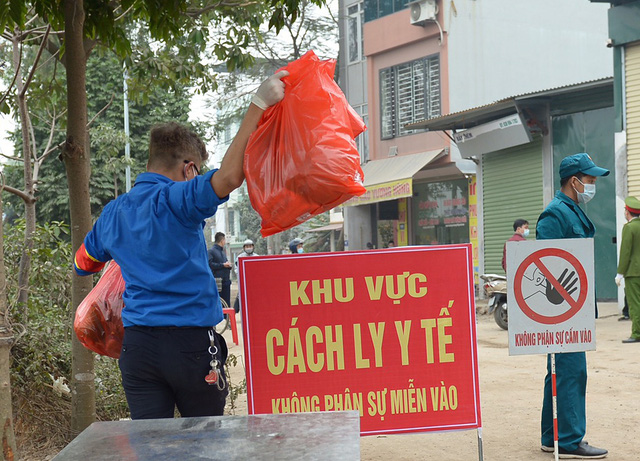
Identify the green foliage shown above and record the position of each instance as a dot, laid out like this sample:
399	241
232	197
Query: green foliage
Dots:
42	352
178	31
271	49
50	272
105	88
235	389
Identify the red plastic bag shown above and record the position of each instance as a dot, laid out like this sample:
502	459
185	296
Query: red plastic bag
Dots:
302	159
98	322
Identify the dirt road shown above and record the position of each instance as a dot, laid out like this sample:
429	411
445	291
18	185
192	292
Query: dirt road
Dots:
511	400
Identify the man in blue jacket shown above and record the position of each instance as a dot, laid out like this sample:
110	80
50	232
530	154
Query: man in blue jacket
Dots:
171	356
564	219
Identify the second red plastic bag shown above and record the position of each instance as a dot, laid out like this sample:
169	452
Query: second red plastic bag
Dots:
302	159
98	321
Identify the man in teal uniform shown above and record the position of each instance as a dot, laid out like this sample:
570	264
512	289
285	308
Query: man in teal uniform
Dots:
629	265
564	219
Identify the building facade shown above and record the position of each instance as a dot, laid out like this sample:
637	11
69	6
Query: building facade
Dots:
405	62
518	175
624	39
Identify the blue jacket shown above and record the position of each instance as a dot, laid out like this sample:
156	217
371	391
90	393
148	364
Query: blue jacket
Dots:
563	219
155	233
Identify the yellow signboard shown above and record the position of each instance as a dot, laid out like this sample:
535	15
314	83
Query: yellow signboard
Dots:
473	225
382	192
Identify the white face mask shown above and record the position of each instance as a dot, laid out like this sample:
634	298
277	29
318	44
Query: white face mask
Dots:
588	194
526	233
300	250
248	250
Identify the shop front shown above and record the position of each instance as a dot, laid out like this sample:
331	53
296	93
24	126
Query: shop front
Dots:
440	212
434	204
380	217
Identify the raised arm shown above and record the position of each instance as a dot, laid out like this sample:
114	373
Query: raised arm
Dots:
231	173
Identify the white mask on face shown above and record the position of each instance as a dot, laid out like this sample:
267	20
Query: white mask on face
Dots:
588	194
526	233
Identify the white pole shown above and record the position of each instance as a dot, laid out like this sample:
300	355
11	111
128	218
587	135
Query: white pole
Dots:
127	148
554	394
480	448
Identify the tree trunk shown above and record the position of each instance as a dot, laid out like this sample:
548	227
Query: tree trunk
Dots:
76	158
30	206
6	340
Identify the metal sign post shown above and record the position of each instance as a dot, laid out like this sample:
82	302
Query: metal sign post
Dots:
551	302
554	399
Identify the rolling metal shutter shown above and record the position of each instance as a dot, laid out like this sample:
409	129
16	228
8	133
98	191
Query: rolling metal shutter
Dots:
512	189
632	89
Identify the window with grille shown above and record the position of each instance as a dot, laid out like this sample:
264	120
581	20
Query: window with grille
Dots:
409	92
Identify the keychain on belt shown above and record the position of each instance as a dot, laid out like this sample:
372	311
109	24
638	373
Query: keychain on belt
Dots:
214	376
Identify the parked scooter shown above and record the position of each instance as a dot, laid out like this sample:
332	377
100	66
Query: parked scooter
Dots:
495	288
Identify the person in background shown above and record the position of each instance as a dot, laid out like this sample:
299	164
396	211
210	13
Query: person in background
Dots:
564	219
171	356
391	244
296	246
220	266
521	232
629	265
247	250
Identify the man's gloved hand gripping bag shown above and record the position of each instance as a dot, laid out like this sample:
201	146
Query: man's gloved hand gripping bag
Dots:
302	160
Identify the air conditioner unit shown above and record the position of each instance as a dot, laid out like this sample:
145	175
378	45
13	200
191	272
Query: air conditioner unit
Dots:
422	11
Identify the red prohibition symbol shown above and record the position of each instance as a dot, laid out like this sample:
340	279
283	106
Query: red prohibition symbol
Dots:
536	259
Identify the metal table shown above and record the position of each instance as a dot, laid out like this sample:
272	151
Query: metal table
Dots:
296	436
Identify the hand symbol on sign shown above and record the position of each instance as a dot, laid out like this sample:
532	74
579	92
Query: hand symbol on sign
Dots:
568	283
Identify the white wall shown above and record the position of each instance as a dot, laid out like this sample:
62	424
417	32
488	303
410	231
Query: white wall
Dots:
503	48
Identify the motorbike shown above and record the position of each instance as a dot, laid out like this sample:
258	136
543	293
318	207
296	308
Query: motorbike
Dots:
495	288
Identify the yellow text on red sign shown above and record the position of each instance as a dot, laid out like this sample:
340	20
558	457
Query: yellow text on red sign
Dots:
389	333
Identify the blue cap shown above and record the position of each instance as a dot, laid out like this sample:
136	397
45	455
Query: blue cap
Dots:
580	163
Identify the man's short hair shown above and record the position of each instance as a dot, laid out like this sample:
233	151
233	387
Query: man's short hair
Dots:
563	181
219	237
172	143
519	223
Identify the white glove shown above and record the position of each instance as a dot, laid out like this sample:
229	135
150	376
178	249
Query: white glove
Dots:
619	278
271	91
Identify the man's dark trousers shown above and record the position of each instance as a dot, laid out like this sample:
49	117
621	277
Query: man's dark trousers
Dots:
165	367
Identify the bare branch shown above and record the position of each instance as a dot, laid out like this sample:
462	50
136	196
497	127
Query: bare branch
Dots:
196	12
15	76
101	111
50	140
9	157
51	150
24	196
123	14
47	150
35	63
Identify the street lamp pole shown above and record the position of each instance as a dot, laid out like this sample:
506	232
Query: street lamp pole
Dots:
127	147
